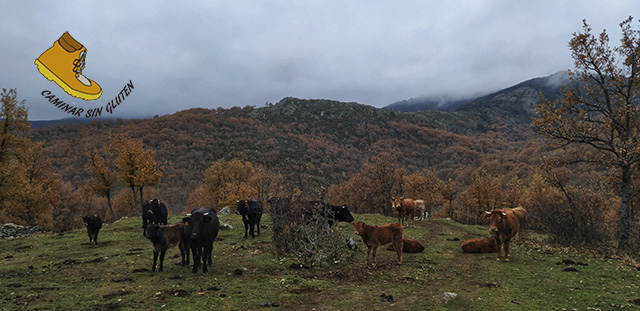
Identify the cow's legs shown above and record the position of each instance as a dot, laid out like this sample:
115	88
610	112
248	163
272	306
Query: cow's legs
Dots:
398	247
506	249
206	259
374	251
155	259
368	253
161	260
181	247
499	249
196	252
251	230
246	227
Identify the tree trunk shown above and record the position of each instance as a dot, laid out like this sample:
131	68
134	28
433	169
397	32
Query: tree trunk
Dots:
135	202
113	216
141	198
624	227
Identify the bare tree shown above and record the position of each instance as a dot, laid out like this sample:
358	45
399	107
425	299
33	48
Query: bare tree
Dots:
599	112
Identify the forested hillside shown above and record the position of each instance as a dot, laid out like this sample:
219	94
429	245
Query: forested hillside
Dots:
312	143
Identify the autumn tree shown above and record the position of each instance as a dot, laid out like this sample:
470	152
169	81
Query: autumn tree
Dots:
598	117
228	181
484	194
422	186
447	190
103	177
371	190
136	165
14	143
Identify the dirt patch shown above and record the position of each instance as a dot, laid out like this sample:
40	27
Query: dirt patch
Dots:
304	290
24	247
175	293
112	306
117	294
122	280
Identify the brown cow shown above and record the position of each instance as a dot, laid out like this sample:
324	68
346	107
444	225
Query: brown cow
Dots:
374	236
504	226
404	209
409	246
487	245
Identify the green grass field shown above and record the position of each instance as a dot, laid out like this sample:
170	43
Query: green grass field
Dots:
62	272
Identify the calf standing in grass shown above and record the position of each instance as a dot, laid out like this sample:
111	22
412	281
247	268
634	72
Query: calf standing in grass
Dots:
93	224
166	237
374	236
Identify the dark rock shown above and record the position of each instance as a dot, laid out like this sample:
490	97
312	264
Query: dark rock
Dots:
299	266
238	271
570	269
269	304
214	288
388	298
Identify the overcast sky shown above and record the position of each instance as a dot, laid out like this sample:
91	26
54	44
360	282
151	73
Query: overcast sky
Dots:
237	53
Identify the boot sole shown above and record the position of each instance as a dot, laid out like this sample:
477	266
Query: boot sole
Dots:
52	77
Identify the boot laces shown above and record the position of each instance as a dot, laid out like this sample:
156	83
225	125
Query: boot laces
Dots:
78	64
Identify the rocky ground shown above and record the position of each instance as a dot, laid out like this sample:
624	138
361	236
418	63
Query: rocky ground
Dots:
13	231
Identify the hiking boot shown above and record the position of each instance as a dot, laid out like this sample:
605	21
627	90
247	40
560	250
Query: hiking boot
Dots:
63	64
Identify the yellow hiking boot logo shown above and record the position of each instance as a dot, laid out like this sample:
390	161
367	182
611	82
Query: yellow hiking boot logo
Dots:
63	64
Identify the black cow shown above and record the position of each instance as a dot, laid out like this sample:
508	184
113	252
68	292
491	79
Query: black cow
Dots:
202	228
338	213
154	212
93	224
251	211
331	213
165	237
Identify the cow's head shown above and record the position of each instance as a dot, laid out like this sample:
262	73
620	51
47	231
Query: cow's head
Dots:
342	213
197	222
496	217
359	227
241	207
152	230
395	202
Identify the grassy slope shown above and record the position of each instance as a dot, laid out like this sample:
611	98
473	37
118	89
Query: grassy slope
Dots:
63	272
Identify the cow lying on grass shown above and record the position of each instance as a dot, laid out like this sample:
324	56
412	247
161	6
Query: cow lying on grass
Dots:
487	245
505	224
93	224
374	236
166	237
409	246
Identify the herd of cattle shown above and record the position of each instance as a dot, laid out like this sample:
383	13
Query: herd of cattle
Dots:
199	229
